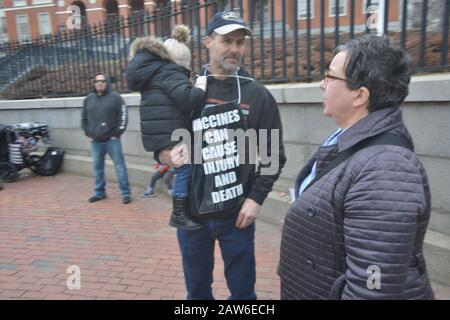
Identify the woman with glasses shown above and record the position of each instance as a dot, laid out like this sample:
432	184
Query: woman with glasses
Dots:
356	228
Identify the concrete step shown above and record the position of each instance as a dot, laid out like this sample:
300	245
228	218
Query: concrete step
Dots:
436	247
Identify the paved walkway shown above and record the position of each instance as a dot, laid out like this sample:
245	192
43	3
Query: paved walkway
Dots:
123	251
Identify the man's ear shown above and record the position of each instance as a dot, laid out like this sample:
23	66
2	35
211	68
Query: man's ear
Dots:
361	97
207	41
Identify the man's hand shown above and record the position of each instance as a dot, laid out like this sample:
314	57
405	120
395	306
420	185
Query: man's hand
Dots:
175	157
249	213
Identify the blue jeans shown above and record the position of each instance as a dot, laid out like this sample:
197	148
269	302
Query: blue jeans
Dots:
112	147
182	179
238	252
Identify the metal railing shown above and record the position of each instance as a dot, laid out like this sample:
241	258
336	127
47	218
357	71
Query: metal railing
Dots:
293	40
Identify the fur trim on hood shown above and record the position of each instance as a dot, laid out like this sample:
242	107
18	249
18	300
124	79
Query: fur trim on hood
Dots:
152	44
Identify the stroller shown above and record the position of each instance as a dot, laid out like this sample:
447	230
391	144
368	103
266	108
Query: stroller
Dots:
17	142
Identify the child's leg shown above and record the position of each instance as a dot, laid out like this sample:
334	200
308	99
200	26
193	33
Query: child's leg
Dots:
150	192
182	179
156	176
180	192
168	178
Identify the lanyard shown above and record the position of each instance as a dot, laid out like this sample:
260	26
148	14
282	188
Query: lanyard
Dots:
234	75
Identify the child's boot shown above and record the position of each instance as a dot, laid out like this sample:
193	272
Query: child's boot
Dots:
180	218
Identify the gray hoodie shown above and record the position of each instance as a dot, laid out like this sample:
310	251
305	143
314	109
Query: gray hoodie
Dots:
104	116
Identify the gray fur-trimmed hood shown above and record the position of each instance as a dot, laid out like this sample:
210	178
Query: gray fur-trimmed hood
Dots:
147	56
152	44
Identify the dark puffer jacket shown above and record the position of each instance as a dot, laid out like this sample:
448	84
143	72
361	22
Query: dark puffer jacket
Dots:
167	94
370	212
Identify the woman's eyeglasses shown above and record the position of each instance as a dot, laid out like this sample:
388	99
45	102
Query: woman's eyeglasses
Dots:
328	76
100	81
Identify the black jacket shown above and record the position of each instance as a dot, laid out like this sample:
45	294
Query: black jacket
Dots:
167	94
260	111
104	116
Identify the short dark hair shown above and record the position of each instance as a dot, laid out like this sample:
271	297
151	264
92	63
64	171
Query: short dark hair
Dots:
380	66
100	74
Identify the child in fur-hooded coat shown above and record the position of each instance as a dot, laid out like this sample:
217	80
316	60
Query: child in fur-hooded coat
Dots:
160	72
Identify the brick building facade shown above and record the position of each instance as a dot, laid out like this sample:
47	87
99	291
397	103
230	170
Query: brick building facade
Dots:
27	19
24	19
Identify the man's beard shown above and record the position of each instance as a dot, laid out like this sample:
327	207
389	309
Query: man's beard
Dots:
228	67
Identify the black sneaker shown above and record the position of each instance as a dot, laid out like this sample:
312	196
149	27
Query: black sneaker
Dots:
148	193
97	198
126	200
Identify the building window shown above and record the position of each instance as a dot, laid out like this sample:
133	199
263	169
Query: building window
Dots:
366	4
259	5
225	7
342	7
302	9
62	28
45	26
23	32
19	3
3	29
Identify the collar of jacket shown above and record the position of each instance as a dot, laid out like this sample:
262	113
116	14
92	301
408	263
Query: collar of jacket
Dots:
373	124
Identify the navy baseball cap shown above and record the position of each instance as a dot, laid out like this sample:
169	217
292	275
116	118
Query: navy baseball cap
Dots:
225	22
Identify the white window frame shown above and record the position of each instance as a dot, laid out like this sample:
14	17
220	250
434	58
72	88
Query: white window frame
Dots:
49	23
41	1
19	37
303	14
364	7
19	3
342	3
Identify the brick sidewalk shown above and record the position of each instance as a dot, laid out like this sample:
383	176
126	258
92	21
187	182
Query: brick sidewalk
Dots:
123	251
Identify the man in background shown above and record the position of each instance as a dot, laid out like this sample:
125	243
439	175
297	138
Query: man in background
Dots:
104	120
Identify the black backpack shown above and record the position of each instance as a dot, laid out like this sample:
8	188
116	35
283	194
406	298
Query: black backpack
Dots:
50	162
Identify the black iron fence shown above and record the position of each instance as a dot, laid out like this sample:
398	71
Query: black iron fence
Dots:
293	41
